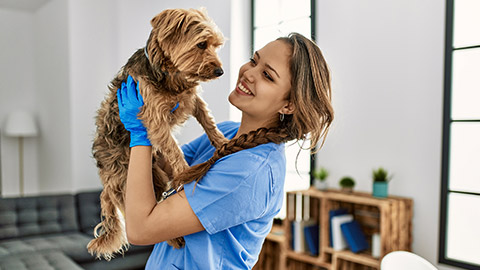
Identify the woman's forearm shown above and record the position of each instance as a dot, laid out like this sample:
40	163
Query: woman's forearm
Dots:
146	221
140	196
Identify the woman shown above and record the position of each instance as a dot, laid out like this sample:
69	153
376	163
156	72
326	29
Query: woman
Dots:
224	216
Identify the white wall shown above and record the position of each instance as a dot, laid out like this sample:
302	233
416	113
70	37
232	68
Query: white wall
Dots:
93	50
17	90
386	59
50	24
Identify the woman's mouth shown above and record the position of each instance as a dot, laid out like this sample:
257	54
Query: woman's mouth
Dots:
243	89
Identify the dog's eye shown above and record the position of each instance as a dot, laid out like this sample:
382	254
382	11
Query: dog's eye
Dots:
202	45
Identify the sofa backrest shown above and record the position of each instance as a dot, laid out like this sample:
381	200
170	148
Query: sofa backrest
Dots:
88	206
26	216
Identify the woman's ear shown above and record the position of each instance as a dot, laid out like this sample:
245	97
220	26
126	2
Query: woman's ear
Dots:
289	108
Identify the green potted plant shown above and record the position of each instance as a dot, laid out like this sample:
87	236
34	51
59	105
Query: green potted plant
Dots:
380	182
347	183
319	178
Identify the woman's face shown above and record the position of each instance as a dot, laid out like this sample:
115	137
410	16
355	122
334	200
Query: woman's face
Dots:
263	84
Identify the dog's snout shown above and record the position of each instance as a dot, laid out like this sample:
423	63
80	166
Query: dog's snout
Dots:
218	71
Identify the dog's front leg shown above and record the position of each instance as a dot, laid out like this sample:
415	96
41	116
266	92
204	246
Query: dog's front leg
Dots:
203	116
161	138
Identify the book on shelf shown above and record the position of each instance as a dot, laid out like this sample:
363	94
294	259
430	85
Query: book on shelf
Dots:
311	233
339	242
301	235
354	236
304	230
298	239
331	214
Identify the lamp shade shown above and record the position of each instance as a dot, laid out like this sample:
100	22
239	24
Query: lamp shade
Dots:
20	124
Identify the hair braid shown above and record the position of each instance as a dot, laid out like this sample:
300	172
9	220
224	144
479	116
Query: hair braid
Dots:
244	141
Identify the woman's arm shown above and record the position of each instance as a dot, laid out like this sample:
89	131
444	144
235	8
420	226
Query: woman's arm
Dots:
148	222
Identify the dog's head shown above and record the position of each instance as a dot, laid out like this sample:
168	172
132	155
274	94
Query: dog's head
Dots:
188	39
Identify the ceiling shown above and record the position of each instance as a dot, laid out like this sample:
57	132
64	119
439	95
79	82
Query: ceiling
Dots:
25	5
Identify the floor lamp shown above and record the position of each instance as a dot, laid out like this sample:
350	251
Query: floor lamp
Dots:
20	124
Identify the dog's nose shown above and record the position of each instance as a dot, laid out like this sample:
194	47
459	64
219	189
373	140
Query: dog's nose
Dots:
218	71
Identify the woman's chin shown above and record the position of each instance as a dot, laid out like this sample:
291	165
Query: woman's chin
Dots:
233	98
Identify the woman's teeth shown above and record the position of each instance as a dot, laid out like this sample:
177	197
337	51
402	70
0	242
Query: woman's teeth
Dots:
243	89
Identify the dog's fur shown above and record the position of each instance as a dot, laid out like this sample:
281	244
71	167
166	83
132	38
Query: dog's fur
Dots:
180	52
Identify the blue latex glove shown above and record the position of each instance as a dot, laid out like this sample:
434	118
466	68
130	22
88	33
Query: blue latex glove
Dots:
129	104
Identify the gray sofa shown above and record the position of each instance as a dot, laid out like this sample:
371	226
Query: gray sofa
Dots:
52	232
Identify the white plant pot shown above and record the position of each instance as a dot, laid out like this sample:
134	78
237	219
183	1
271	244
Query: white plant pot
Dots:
320	185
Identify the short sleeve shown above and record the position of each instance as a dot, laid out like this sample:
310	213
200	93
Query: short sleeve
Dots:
236	189
194	151
189	150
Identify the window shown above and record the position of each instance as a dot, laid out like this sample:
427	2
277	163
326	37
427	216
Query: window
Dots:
272	19
460	218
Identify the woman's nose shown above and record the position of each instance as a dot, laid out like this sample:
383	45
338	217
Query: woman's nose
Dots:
249	75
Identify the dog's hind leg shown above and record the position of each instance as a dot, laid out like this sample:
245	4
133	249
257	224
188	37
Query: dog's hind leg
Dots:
109	233
203	116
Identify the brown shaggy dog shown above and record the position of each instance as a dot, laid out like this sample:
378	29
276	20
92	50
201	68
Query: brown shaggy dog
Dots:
180	52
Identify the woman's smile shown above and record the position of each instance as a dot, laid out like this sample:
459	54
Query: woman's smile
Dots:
242	89
263	85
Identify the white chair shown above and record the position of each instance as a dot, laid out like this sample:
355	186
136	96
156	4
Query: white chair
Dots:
403	260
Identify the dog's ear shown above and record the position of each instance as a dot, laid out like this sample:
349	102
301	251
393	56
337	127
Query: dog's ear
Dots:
169	20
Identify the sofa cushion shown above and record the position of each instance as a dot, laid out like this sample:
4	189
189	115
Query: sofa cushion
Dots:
28	216
39	261
88	207
73	245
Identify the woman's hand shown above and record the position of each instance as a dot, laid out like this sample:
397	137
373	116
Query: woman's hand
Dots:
130	102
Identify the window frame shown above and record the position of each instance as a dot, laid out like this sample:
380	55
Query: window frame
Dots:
312	36
447	123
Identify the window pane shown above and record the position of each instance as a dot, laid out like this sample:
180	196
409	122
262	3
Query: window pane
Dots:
296	180
301	25
466	23
295	9
267	13
302	163
462	229
465	157
466	84
263	35
273	12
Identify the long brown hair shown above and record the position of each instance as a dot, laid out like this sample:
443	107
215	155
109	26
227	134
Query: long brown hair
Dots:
310	94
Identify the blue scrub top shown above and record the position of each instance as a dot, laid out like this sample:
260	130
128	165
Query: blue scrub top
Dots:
235	201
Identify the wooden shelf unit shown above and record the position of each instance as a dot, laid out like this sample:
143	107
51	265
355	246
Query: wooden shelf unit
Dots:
390	217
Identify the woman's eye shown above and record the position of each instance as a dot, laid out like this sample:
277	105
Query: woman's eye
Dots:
202	45
267	76
252	61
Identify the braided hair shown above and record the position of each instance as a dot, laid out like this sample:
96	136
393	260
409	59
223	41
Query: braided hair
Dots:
245	141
